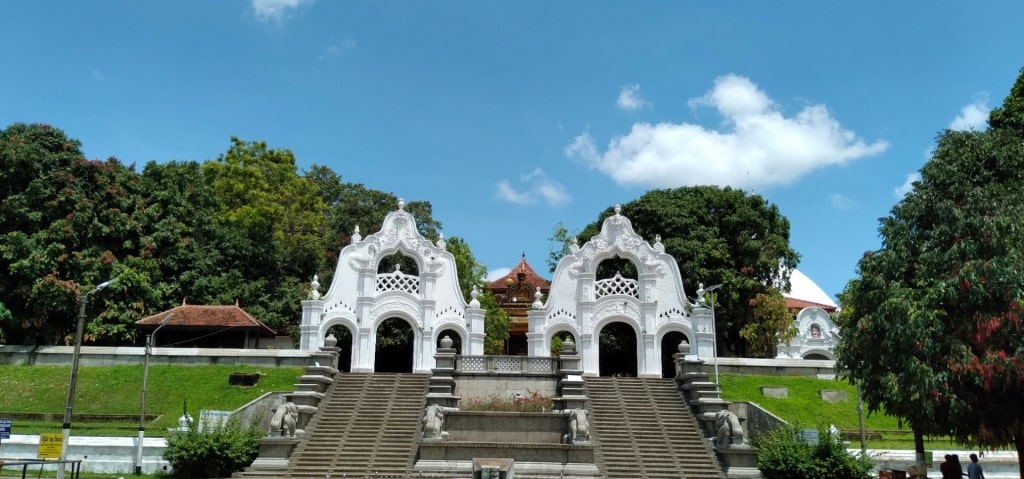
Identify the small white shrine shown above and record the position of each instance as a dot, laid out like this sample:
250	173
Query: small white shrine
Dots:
360	298
653	305
816	338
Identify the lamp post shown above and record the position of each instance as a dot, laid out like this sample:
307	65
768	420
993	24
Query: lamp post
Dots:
714	328
150	342
82	301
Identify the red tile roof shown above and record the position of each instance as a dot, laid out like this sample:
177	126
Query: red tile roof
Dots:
529	277
794	303
207	317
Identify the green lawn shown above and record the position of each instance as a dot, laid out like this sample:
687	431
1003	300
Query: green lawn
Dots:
805	406
118	390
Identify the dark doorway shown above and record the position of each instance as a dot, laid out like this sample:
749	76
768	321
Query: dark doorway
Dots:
456	340
816	356
669	347
617	350
344	337
394	347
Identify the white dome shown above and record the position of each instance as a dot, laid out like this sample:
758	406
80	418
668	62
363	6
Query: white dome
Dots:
803	288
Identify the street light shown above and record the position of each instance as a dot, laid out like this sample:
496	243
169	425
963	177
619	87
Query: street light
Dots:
150	341
74	373
714	329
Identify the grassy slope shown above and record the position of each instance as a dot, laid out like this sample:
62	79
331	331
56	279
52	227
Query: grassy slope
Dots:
804	406
118	390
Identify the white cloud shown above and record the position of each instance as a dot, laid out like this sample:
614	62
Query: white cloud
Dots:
755	140
537	187
337	50
630	99
907	185
498	273
841	202
972	117
275	10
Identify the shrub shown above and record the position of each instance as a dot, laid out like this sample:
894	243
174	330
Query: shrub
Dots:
215	452
786	454
534	402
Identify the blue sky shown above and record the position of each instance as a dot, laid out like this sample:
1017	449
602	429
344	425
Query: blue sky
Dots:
510	117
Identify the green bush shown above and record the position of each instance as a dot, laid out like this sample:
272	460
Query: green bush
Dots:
215	452
786	454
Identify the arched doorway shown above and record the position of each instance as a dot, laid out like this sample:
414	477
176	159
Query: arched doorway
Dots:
617	350
344	337
669	347
455	337
394	347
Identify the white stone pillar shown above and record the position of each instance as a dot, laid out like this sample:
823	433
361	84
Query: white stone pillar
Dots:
474	344
310	338
650	367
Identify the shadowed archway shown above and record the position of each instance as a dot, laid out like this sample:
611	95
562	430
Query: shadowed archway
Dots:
617	350
394	347
669	347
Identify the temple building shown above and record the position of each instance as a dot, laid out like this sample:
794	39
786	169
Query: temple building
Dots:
514	293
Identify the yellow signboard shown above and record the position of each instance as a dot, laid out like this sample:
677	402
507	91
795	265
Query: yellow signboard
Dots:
50	445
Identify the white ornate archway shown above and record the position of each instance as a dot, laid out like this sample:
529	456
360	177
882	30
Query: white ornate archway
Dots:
653	304
361	298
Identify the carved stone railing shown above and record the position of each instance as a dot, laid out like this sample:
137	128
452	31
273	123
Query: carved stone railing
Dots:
506	364
398	281
616	285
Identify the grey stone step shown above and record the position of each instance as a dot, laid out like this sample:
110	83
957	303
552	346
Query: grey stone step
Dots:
643	428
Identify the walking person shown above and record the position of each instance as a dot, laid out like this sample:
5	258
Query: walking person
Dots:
974	469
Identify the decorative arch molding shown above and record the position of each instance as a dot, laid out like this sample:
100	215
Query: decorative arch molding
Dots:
818	352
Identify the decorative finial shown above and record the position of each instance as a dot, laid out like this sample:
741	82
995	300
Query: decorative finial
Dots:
446	342
575	241
401	204
657	238
440	241
536	299
474	303
315	285
356	236
700	293
398	267
618	209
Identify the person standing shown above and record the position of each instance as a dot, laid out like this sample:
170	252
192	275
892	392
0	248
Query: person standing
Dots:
974	469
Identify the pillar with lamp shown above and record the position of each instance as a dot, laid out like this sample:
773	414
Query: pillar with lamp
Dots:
79	330
150	342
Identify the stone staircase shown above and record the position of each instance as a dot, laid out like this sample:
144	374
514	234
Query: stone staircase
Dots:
367	427
643	428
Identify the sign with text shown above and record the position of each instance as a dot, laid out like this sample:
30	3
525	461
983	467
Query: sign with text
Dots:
50	445
210	420
5	428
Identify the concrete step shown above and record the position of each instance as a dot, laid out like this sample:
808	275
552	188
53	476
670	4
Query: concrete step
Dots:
643	428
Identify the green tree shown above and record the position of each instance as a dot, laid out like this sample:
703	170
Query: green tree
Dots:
561	241
772	324
472	273
785	453
717	236
69	223
932	324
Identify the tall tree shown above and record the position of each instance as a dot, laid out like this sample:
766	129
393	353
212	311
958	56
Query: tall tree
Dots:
69	223
932	325
471	273
717	236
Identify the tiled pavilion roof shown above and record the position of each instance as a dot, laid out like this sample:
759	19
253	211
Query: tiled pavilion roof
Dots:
195	316
522	274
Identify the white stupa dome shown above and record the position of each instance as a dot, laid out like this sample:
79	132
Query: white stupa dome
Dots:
805	289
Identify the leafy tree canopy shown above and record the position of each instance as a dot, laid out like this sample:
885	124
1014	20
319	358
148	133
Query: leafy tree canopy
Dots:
932	324
246	227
